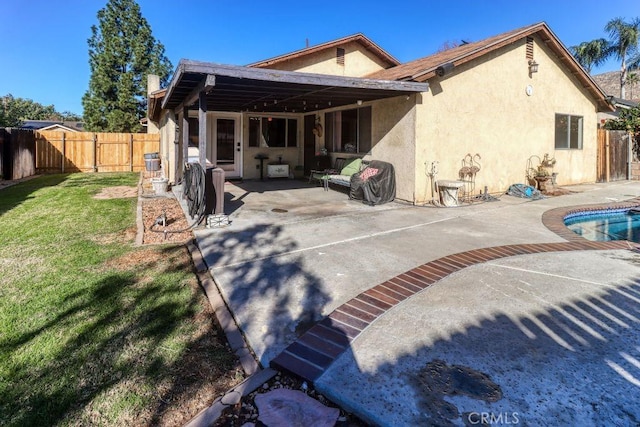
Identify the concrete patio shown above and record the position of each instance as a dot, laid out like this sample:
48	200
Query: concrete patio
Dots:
556	334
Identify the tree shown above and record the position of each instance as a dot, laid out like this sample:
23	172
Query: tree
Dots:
13	111
624	43
122	52
591	53
632	80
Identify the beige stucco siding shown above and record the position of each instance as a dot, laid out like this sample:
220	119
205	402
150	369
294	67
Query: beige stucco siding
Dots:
167	130
357	62
483	108
393	138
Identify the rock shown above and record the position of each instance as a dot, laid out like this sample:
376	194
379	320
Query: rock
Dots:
232	398
284	407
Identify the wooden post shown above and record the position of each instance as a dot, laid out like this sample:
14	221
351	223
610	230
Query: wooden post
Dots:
629	155
64	152
95	152
202	132
607	151
130	152
185	136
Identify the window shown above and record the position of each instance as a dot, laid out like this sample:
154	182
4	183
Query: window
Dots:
349	131
273	132
568	132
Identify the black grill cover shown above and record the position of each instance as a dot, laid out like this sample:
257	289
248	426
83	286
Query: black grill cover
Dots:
374	185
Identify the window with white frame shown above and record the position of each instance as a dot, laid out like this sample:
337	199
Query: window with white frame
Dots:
348	131
568	132
273	132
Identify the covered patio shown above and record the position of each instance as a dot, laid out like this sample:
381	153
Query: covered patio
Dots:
218	99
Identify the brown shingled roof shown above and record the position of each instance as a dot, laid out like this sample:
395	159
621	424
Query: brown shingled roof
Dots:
359	38
422	69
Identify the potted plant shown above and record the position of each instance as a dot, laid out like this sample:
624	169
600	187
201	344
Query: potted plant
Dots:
547	164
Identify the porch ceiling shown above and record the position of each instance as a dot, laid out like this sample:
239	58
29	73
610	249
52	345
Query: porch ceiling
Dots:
235	88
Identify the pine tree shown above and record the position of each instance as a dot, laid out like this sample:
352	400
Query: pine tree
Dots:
122	52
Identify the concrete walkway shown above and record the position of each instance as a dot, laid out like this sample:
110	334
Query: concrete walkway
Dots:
508	333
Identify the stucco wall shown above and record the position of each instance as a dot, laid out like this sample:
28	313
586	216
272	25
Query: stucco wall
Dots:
167	130
483	108
357	62
393	136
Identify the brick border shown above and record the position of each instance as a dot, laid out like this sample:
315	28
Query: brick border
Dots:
315	350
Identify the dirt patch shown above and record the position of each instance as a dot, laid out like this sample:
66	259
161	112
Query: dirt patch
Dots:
174	228
119	192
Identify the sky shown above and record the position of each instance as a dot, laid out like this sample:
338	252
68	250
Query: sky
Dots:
44	51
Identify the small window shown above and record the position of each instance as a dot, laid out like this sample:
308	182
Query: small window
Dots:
568	132
340	56
273	132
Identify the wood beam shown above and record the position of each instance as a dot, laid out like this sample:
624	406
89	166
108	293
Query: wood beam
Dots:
208	83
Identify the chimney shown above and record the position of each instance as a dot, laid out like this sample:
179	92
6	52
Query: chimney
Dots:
153	83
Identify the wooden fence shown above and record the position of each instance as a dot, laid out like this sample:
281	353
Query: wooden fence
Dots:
613	155
93	152
17	153
25	152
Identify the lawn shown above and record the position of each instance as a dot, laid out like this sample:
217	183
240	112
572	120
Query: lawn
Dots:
93	329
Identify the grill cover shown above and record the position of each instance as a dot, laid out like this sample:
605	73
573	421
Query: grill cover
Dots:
374	185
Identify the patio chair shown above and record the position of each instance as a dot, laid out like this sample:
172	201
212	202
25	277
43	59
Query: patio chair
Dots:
318	175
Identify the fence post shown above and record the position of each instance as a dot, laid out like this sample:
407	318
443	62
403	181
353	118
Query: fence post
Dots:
64	152
629	156
130	152
607	151
95	153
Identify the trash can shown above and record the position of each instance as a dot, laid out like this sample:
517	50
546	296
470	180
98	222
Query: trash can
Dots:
152	161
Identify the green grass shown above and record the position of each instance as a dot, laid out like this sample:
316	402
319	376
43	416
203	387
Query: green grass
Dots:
93	330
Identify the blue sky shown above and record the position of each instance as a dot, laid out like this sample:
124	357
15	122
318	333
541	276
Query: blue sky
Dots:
44	53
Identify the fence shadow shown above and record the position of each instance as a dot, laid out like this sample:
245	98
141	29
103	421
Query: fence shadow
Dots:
576	363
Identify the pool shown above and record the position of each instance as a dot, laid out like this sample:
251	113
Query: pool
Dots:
605	225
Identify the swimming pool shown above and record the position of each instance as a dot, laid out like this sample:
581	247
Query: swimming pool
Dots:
605	225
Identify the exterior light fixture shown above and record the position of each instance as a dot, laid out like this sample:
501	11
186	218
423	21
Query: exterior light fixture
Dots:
533	67
359	102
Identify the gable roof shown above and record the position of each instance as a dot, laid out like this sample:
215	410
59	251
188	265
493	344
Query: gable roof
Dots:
421	70
385	57
69	125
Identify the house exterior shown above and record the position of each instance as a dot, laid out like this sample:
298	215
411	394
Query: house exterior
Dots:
64	126
482	101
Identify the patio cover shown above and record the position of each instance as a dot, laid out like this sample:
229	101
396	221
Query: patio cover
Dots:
238	89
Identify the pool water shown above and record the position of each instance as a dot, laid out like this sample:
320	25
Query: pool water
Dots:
604	226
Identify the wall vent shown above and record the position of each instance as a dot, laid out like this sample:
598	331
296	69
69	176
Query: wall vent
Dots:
529	47
340	56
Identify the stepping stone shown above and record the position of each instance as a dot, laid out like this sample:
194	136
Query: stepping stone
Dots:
284	407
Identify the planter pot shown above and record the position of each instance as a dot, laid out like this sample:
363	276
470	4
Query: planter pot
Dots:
544	183
160	185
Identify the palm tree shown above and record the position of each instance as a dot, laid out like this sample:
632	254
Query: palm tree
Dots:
624	42
591	53
632	80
